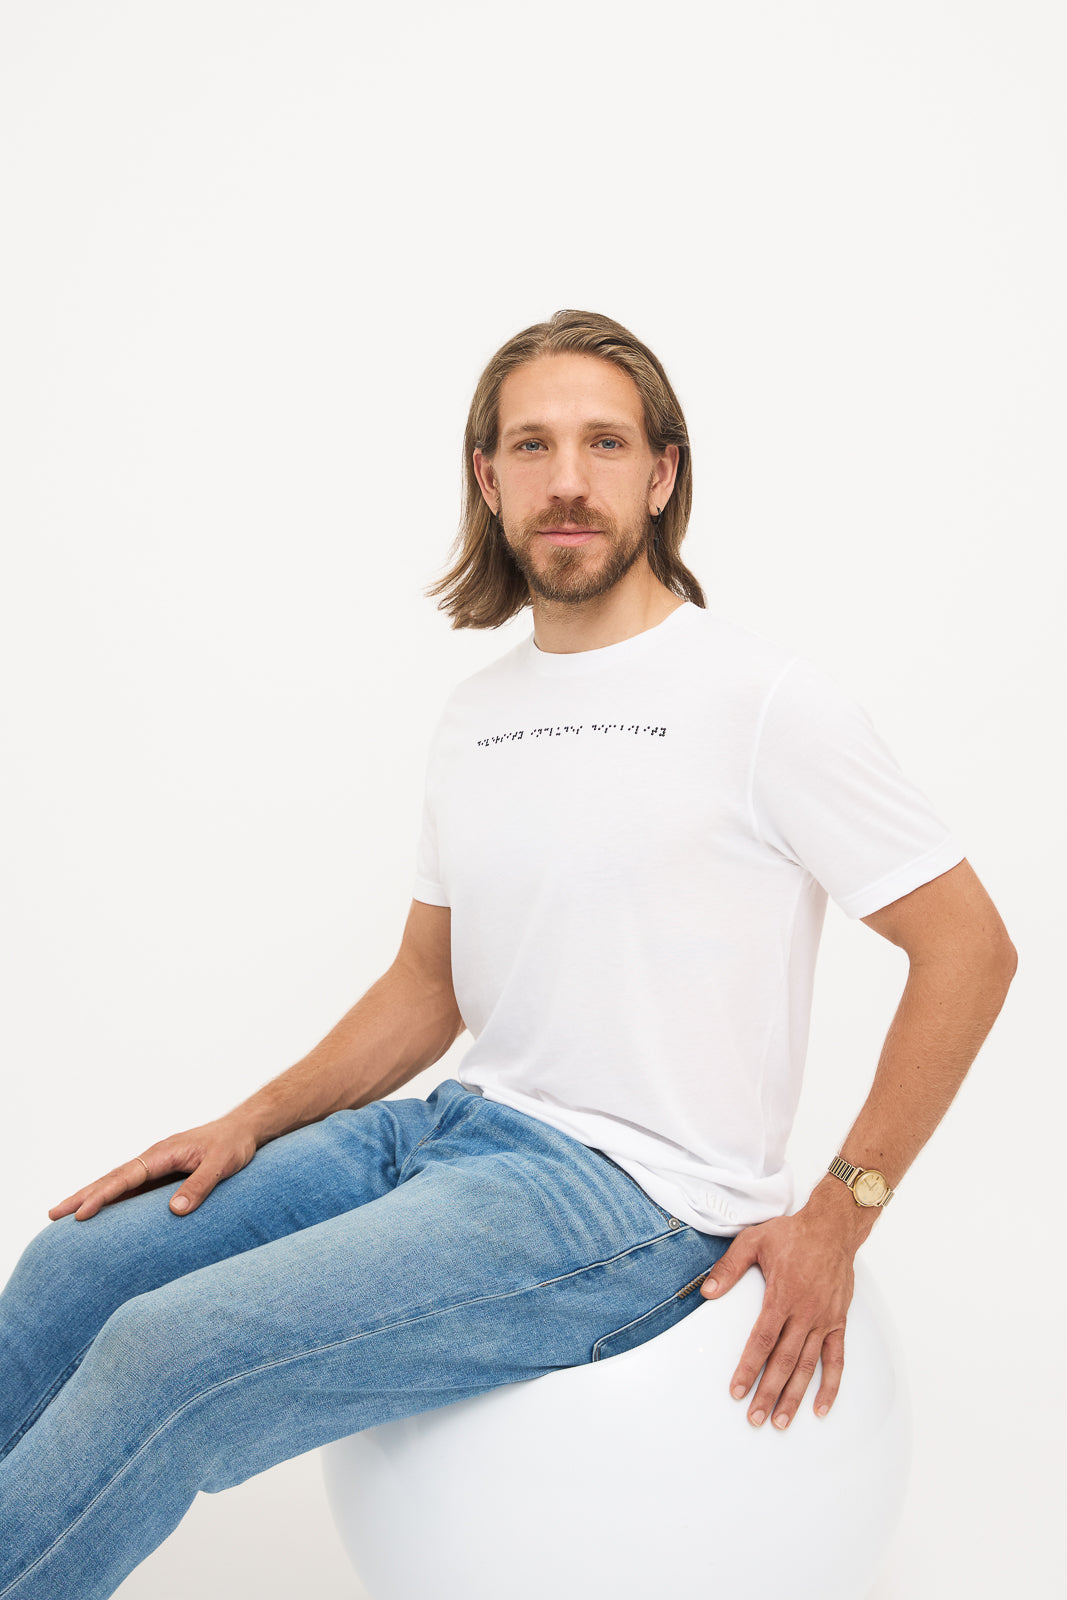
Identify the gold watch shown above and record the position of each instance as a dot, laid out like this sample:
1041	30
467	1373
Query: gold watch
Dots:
868	1185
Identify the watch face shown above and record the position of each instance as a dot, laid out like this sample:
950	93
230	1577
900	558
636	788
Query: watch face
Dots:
870	1188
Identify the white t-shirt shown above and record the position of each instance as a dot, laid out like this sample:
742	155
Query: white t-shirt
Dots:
637	843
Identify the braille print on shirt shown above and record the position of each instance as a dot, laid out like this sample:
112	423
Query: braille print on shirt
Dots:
560	730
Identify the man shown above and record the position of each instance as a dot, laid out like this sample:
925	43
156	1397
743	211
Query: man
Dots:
632	821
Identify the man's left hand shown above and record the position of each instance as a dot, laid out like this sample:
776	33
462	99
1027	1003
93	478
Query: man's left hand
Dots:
807	1262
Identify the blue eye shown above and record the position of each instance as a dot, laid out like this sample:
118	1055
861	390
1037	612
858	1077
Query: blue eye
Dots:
605	440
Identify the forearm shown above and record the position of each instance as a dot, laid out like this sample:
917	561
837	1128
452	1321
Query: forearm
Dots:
395	1030
944	1015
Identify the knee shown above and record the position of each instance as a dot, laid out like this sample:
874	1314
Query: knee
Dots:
132	1361
72	1274
52	1259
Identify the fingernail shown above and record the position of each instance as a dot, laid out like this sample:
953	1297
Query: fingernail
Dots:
756	1418
820	1411
738	1391
781	1420
180	1203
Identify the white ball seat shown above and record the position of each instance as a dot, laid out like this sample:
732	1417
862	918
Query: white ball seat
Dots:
638	1475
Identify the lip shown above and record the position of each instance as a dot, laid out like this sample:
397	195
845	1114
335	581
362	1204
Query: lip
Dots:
565	536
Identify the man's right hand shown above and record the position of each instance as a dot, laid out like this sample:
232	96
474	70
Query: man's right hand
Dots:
208	1154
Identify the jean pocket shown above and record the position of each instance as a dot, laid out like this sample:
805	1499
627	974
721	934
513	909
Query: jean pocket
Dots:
658	1320
644	1192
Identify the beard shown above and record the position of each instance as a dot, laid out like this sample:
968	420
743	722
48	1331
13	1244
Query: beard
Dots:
573	574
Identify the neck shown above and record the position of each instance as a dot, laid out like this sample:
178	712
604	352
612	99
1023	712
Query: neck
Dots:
562	627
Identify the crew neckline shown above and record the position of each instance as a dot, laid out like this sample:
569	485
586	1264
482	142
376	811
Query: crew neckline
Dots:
565	664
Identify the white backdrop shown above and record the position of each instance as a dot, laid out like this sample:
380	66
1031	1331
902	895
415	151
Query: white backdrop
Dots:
255	257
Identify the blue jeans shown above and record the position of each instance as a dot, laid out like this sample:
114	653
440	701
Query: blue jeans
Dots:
376	1264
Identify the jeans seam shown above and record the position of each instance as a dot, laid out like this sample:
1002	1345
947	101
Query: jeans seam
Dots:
661	1209
631	1324
427	1137
45	1400
679	1294
302	1355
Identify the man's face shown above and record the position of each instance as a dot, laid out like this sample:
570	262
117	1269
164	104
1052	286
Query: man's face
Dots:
572	453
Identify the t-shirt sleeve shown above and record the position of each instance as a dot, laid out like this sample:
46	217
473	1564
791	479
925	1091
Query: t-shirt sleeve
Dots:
427	884
827	792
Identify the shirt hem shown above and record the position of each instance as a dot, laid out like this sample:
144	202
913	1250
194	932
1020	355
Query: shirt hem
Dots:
949	853
431	894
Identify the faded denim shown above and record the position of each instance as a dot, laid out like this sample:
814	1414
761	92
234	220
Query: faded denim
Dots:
376	1264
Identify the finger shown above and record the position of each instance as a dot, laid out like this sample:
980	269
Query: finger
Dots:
783	1412
71	1203
200	1182
780	1366
761	1342
93	1192
833	1362
118	1182
74	1201
733	1263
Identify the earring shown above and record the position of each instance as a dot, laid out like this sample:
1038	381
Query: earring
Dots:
655	531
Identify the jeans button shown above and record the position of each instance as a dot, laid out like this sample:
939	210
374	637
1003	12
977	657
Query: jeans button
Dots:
674	1223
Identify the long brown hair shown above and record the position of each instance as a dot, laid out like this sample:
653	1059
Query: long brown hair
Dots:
484	587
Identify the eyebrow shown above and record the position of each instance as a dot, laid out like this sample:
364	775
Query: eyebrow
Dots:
590	427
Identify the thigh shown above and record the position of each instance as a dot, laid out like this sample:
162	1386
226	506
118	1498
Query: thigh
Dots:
506	1251
74	1275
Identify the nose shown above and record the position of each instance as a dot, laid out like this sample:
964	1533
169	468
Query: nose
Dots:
568	474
